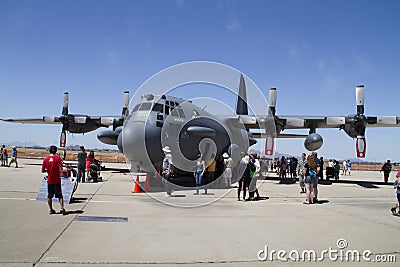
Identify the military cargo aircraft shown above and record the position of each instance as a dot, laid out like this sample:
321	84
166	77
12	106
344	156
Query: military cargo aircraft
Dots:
164	120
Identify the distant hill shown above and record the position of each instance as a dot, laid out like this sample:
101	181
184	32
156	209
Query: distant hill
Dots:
22	144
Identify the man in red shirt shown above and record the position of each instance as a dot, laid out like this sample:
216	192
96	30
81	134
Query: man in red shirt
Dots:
53	165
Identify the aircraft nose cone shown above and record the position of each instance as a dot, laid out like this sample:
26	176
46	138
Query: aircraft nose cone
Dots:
131	141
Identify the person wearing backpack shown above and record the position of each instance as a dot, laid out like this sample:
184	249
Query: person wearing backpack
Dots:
255	172
243	171
301	172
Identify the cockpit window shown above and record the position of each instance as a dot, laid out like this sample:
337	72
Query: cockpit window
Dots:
136	108
145	106
181	113
178	112
174	112
157	108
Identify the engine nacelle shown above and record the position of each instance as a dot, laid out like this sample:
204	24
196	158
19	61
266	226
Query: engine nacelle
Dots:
108	137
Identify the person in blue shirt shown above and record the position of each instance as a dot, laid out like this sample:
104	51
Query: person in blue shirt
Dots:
14	154
199	172
349	166
397	187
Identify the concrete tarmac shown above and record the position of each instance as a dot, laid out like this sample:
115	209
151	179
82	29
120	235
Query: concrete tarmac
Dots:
110	226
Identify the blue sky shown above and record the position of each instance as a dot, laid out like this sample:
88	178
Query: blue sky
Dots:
314	52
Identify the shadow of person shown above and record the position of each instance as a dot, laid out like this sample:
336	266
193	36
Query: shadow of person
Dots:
323	201
68	212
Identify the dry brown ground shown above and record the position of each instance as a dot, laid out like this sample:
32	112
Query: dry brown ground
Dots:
115	156
35	153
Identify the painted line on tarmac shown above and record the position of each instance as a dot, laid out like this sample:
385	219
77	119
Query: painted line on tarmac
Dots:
38	261
192	203
16	198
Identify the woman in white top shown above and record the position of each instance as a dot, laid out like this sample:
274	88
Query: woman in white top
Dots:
228	164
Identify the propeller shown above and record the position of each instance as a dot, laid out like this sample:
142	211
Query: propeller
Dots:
355	125
360	122
117	122
270	137
63	136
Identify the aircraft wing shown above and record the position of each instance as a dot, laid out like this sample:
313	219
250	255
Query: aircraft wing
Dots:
308	122
32	121
99	121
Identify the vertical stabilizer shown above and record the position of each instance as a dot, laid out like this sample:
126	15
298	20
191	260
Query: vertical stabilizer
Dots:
241	103
125	110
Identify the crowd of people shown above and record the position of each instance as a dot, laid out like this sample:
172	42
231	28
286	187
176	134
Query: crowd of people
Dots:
309	170
223	170
287	168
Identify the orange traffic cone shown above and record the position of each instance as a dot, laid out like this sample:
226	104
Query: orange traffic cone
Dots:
147	184
137	189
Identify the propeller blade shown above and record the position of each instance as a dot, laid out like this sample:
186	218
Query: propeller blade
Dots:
335	121
269	146
361	146
125	107
272	100
360	99
65	104
63	139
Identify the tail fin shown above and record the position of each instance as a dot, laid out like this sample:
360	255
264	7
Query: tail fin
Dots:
125	110
241	103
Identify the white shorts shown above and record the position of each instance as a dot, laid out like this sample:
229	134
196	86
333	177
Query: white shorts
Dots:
227	173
